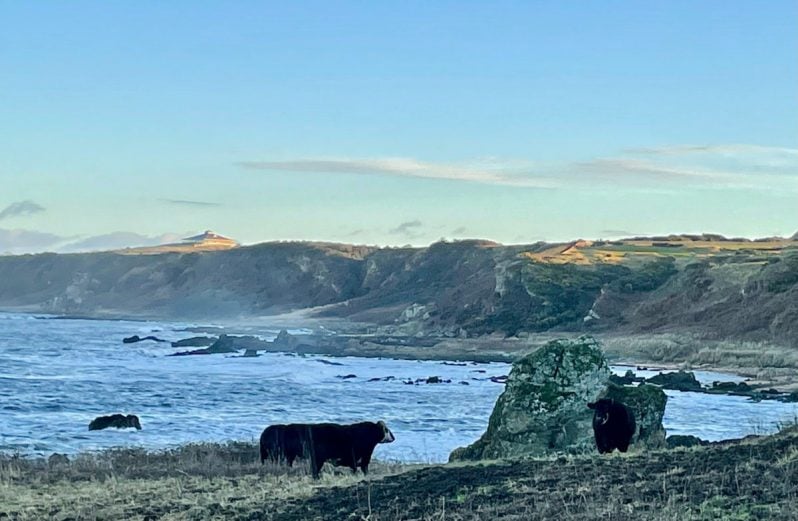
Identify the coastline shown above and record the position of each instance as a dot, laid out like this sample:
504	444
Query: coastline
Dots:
661	351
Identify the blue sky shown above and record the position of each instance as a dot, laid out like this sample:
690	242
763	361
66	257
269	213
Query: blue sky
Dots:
395	122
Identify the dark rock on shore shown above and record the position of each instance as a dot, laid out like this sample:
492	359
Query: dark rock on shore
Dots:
135	338
678	440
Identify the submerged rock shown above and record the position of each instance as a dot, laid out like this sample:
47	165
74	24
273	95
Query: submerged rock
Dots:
543	407
434	380
135	338
382	379
227	344
195	341
230	343
327	362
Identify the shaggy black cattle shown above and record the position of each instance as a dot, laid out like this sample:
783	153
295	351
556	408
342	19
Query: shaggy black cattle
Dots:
120	421
613	425
343	445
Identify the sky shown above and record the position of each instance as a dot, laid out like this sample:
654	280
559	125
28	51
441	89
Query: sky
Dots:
392	123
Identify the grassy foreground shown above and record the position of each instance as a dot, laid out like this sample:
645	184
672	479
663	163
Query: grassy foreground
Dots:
747	480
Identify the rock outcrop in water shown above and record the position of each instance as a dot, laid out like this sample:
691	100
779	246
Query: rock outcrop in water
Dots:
677	381
117	421
195	341
226	344
543	407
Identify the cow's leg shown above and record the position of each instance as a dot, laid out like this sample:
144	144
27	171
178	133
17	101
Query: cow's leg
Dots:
364	463
316	465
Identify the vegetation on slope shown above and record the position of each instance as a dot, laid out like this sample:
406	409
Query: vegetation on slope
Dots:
722	289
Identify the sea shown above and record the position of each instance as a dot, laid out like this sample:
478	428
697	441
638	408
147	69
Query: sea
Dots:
56	375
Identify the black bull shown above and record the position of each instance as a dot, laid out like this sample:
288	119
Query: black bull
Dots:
344	445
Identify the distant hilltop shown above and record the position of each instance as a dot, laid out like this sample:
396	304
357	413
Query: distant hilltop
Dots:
206	241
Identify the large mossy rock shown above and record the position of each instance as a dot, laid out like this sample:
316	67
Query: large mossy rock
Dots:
648	406
544	405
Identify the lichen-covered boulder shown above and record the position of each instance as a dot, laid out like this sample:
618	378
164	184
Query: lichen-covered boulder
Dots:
647	403
543	407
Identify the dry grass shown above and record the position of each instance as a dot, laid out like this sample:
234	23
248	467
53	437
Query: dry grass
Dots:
195	481
750	480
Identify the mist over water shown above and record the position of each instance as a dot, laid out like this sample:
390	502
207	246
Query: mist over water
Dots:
57	375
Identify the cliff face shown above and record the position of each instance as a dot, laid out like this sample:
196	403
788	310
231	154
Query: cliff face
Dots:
468	287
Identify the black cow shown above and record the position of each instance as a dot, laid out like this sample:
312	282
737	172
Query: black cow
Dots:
613	425
120	421
343	445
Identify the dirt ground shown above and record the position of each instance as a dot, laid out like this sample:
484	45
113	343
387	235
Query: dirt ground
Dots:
749	480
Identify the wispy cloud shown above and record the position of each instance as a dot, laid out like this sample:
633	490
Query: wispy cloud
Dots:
749	167
673	150
186	202
674	167
405	167
459	230
19	209
647	169
409	229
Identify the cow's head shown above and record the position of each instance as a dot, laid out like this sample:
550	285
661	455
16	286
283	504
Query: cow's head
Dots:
387	435
601	410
